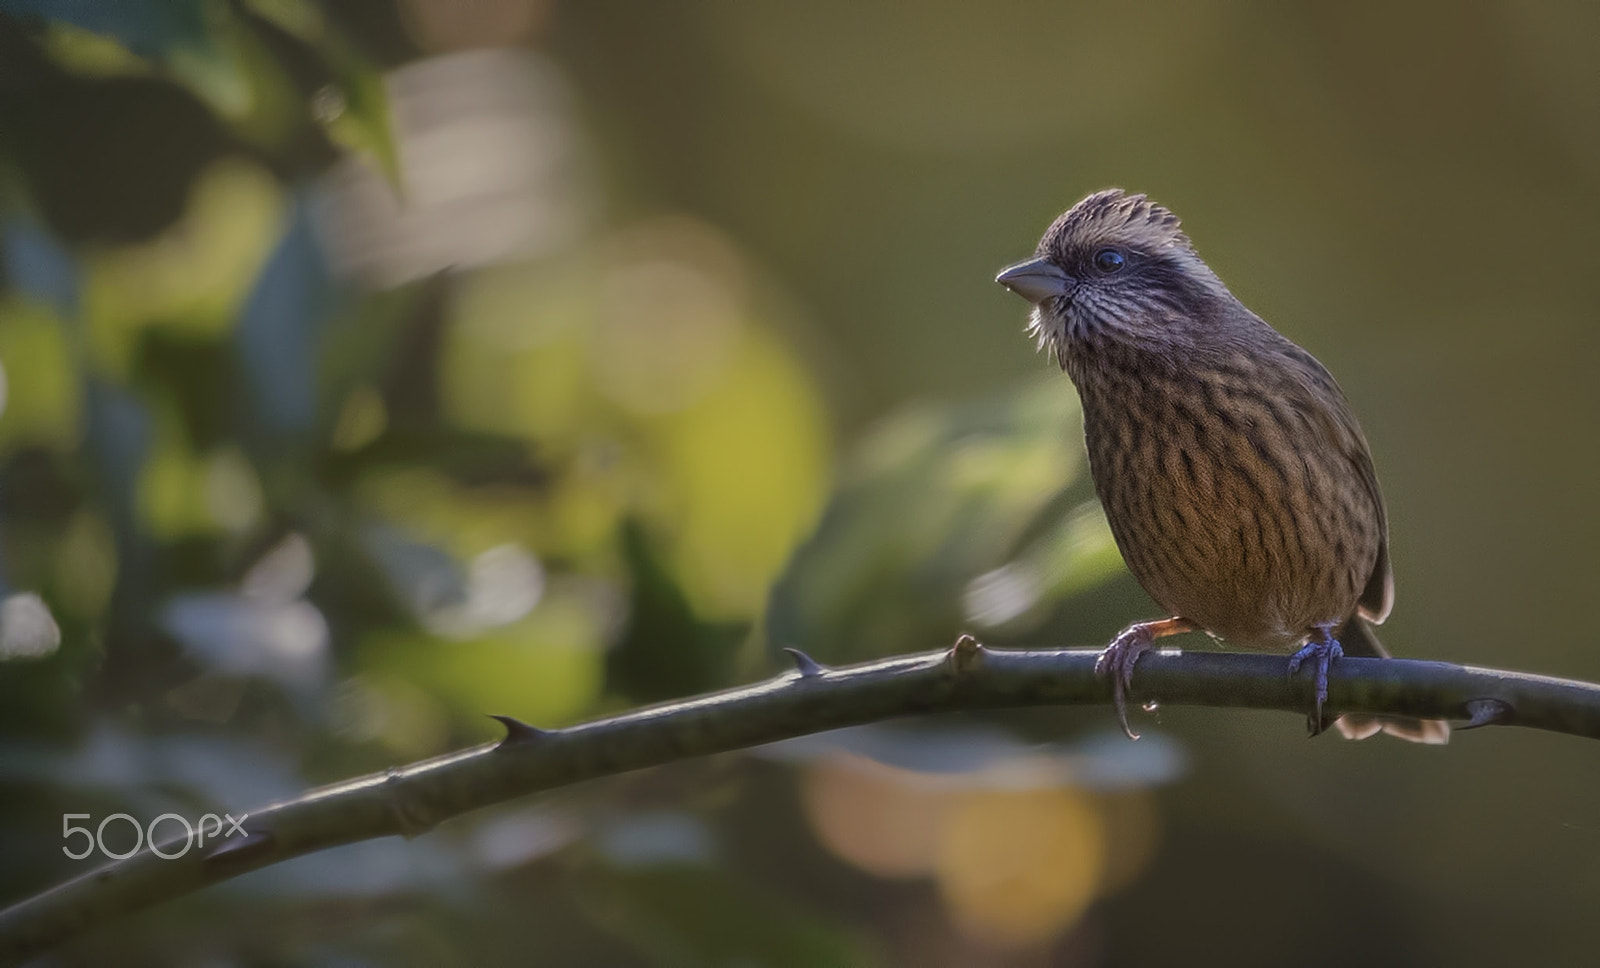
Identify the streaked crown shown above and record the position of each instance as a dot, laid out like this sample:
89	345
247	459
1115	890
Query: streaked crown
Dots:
1114	216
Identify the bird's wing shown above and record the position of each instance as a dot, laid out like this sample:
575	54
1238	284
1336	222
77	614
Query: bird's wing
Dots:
1343	431
1378	597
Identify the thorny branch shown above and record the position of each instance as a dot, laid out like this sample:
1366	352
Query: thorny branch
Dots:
410	800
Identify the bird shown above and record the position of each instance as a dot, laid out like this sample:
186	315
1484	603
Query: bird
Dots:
1235	477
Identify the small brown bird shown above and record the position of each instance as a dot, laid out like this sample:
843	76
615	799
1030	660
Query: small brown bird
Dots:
1235	478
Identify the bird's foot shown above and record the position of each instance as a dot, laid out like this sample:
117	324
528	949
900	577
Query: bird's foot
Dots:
1117	661
1321	650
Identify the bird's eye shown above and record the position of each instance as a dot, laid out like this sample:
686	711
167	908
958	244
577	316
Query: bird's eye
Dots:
1109	260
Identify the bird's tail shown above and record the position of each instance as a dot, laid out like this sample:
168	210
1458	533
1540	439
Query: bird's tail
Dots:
1357	638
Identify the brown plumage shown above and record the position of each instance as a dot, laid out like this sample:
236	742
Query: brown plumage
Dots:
1234	475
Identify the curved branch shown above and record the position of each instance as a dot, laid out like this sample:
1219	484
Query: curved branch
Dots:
410	800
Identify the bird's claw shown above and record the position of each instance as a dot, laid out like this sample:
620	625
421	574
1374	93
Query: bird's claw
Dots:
1116	663
1323	649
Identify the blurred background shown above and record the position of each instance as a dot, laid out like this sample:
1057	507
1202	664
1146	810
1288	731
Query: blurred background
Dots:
372	366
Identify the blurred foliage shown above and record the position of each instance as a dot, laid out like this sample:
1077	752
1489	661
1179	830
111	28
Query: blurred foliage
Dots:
327	501
370	367
976	515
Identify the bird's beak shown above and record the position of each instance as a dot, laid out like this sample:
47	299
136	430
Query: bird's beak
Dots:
1037	280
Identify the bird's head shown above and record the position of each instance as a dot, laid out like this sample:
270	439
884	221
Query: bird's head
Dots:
1115	266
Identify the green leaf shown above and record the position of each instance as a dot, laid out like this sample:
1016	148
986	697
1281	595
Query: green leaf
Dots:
666	652
354	110
938	499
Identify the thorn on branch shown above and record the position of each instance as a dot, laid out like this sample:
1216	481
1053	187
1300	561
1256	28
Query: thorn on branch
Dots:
517	731
804	664
965	655
1486	712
